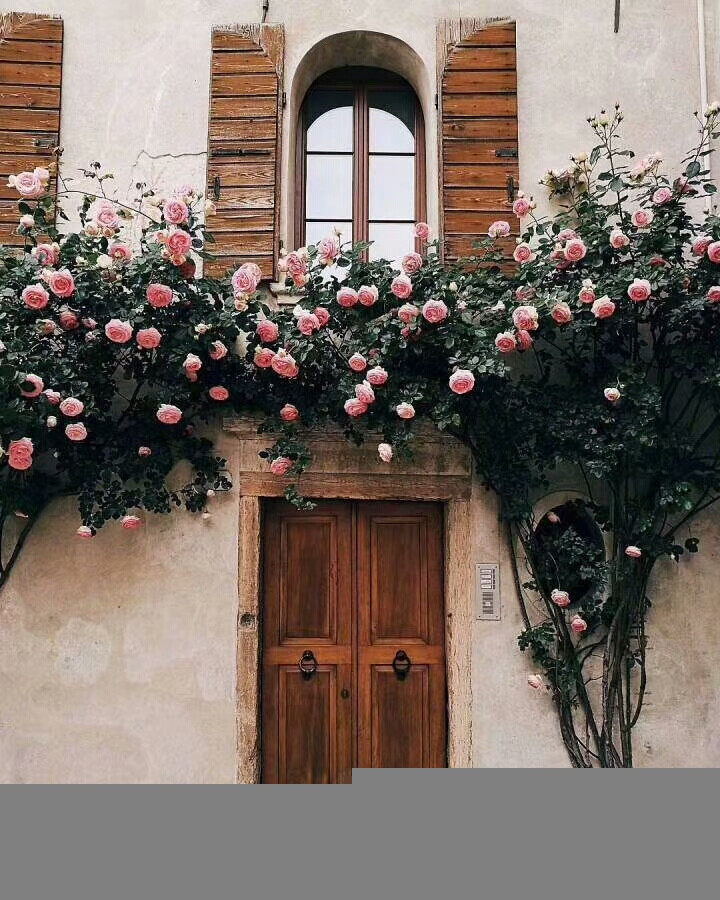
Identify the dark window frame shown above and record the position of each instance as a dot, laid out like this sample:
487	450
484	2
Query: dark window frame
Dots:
361	82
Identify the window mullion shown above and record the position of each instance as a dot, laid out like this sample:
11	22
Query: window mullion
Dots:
362	163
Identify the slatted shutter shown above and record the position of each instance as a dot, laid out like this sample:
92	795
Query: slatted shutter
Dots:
30	77
479	130
244	146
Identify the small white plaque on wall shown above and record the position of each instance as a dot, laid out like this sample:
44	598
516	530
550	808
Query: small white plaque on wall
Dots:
487	592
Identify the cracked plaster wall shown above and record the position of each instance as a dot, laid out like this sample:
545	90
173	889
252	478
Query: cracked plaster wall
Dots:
117	657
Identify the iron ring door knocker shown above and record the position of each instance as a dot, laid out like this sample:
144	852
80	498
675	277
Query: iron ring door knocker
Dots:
401	665
308	664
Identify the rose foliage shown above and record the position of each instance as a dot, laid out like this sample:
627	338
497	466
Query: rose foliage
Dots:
596	353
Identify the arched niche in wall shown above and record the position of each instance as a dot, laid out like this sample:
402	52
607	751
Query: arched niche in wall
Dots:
370	49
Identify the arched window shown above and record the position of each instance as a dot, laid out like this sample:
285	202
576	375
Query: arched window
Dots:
361	161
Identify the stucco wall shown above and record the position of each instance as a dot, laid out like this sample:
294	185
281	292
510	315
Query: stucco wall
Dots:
117	656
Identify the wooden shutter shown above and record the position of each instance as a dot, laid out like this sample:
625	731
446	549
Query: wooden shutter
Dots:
479	130
244	146
30	77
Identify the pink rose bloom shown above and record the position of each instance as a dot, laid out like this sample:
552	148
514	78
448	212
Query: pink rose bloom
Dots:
130	523
662	195
295	264
217	350
561	313
578	624
618	239
354	407
402	287
535	682
567	234
713	294
412	263
118	332
68	319
283	364
575	250
119	252
639	290
368	295
505	342
179	243
713	252
525	317
499	229
85	532
523	254
434	311
462	381
27	184
405	410
658	261
168	414
603	308
175	212
104	214
20	454
281	466
27	221
219	392
642	218
53	397
357	362
62	283
524	339
365	393
72	407
633	552
144	451
76	431
35	296
560	598
385	452
322	315
49	254
289	413
159	295
192	363
612	394
267	331
37	386
407	313
347	297
586	294
89	323
264	357
308	323
521	207
422	231
328	250
377	376
245	280
148	338
523	293
700	245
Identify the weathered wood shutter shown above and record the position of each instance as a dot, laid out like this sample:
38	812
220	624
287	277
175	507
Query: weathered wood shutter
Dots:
31	49
244	146
477	90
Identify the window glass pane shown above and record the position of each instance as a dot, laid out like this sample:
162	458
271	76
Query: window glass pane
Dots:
330	120
328	190
391	241
392	187
316	231
392	121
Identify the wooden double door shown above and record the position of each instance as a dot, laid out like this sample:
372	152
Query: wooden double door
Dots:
353	669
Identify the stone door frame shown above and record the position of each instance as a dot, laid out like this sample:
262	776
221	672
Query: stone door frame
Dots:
441	470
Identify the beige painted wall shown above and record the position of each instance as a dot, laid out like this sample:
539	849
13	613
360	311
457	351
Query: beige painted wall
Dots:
117	656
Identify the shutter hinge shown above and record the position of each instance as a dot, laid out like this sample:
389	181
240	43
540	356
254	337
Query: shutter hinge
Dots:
216	187
45	143
507	151
436	102
284	99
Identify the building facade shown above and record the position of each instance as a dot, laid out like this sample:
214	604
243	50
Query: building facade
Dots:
139	657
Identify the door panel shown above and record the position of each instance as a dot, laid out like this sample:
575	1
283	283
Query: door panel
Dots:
352	583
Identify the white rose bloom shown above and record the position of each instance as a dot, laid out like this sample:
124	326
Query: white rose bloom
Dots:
104	261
